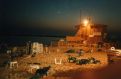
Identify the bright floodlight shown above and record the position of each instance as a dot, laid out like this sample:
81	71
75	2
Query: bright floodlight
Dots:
85	22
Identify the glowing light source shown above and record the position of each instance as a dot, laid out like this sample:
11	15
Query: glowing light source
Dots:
85	22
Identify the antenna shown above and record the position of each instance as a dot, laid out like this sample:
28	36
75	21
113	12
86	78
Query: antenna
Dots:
80	16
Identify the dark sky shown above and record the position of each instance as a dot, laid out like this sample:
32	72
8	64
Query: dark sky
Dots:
56	16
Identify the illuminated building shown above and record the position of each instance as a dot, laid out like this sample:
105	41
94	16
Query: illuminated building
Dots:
88	33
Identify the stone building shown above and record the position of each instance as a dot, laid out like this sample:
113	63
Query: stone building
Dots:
88	33
92	34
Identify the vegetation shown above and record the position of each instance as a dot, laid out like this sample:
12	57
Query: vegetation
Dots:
70	51
72	59
83	61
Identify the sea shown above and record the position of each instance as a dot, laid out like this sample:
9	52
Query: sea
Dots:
46	40
22	40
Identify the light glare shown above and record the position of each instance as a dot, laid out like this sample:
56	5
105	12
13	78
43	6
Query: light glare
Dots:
85	22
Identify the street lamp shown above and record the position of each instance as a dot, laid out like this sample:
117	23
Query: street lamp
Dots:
86	22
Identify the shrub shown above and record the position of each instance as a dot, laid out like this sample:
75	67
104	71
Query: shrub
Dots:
70	51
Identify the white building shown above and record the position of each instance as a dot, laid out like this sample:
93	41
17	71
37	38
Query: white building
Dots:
37	47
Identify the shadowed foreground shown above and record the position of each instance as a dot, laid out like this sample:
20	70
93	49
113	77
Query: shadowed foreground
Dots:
112	71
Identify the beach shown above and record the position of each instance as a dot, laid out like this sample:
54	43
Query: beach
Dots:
63	70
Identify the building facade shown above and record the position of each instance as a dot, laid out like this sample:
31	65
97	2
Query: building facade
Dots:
88	33
92	34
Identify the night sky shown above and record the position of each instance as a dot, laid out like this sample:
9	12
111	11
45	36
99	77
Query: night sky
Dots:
56	17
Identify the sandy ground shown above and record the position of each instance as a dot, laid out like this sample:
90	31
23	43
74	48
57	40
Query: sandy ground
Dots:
63	71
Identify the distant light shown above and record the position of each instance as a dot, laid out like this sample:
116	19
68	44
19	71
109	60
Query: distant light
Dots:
85	22
61	40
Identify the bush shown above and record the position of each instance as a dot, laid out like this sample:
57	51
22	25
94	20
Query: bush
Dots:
87	61
70	51
82	61
93	60
72	59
